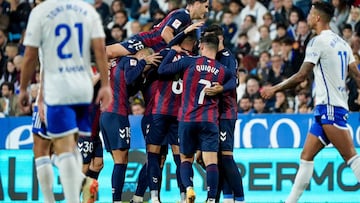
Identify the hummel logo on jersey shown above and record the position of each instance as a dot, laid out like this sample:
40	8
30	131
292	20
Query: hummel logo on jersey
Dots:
147	129
122	133
222	136
80	145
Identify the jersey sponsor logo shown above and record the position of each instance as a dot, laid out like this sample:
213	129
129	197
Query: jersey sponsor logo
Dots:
176	24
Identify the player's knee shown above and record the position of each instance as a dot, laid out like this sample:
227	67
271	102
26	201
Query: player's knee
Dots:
97	165
210	158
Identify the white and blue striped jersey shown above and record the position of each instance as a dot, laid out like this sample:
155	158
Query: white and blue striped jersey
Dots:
63	30
331	56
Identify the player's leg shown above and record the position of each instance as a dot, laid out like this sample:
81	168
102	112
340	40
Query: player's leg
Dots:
41	149
228	166
96	162
311	147
209	142
62	123
142	182
154	139
173	139
188	144
339	136
115	130
44	169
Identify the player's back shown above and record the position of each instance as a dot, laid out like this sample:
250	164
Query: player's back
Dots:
201	74
334	56
228	103
178	20
120	104
63	30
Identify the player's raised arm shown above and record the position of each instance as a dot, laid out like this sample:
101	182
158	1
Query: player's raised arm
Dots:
297	78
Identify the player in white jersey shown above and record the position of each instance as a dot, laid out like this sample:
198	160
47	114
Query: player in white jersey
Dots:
64	30
331	60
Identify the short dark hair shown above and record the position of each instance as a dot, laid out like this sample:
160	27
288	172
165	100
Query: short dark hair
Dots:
347	26
10	86
191	2
211	40
215	29
325	8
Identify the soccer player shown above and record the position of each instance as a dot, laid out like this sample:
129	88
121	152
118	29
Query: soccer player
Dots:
331	60
114	122
198	113
228	115
64	31
165	124
149	82
158	37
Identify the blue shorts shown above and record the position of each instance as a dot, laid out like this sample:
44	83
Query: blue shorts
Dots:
331	115
133	45
115	130
90	147
63	120
198	135
226	128
163	127
145	127
38	127
145	124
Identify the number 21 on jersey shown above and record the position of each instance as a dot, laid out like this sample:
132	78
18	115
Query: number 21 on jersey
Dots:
66	32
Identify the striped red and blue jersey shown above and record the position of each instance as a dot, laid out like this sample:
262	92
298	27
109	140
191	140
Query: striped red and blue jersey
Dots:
123	72
149	87
168	91
177	20
228	104
198	73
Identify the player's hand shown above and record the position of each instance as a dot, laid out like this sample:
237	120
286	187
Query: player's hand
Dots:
194	26
267	92
214	90
105	97
153	59
23	100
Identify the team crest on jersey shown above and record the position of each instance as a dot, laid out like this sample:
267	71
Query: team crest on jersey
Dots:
226	53
133	62
176	24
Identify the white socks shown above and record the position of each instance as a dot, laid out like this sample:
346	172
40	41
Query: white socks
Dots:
302	180
45	175
354	164
70	176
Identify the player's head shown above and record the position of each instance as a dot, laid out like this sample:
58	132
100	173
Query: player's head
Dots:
216	30
320	12
144	53
198	8
190	41
209	42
